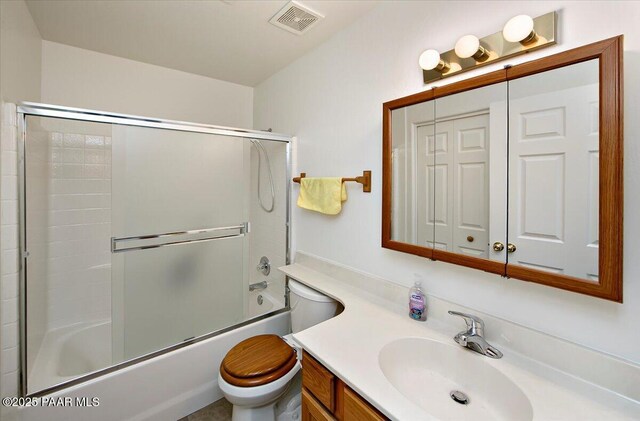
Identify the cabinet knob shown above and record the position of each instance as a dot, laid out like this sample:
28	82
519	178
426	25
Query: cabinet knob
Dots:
511	247
470	238
498	246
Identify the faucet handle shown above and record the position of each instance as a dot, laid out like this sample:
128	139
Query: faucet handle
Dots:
474	323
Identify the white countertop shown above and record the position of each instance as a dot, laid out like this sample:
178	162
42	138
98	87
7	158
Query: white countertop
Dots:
349	345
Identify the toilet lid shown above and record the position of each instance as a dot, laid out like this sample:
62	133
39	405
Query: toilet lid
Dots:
258	360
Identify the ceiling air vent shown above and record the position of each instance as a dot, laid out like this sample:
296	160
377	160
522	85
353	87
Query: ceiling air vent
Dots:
295	18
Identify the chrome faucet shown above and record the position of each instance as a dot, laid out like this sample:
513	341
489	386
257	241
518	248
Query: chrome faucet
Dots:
473	337
258	286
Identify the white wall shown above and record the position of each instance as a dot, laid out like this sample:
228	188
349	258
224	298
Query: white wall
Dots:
331	99
20	53
20	56
81	78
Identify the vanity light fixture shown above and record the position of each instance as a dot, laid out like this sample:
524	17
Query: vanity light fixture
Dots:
430	60
469	46
519	35
520	29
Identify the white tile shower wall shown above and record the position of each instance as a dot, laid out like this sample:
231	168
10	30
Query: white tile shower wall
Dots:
9	256
79	228
268	230
68	232
37	240
20	80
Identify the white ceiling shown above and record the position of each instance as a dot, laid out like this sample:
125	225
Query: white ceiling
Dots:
227	40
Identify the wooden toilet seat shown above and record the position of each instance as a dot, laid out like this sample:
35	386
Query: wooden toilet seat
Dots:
257	361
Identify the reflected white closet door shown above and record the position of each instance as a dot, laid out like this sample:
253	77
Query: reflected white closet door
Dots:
460	185
553	181
441	147
429	216
470	194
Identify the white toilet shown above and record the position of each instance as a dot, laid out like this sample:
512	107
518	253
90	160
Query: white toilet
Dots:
258	371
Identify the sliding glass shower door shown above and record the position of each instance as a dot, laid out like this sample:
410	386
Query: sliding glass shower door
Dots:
143	238
167	182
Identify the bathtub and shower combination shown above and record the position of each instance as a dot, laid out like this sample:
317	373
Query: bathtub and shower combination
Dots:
139	240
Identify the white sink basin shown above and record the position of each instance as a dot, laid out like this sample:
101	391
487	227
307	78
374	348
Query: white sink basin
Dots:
427	371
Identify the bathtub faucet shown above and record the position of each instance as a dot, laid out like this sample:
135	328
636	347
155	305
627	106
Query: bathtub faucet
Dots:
258	286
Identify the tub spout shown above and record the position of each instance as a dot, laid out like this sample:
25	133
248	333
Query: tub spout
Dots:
258	286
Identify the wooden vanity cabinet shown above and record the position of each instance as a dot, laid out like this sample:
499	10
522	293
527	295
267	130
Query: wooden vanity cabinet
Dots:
312	410
326	397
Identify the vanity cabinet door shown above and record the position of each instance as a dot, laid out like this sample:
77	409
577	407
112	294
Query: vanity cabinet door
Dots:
326	397
357	409
319	381
312	410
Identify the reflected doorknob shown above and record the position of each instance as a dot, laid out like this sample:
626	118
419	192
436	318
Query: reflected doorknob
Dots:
511	247
498	246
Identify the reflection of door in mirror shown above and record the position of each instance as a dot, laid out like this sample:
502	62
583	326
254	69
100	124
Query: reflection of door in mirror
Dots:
412	222
554	171
462	189
425	183
470	172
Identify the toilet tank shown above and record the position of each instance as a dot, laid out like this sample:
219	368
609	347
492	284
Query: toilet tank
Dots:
308	306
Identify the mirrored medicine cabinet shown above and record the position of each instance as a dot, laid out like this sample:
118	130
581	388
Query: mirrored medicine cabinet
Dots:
517	172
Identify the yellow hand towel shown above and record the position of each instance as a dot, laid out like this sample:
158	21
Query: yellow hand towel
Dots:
322	194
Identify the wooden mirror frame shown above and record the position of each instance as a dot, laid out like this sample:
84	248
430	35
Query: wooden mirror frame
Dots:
609	52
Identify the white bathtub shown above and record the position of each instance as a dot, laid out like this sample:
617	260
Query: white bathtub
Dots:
71	351
167	387
268	302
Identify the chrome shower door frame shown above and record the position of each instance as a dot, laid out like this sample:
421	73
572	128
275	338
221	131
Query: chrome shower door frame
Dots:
26	109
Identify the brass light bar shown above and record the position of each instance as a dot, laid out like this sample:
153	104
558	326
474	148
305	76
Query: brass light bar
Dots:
497	48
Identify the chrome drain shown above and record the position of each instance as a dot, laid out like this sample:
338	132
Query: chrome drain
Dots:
459	397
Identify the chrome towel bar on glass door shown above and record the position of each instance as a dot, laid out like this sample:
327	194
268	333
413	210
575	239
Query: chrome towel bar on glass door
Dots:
217	233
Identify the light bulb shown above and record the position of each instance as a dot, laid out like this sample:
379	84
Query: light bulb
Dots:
519	29
430	60
469	46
